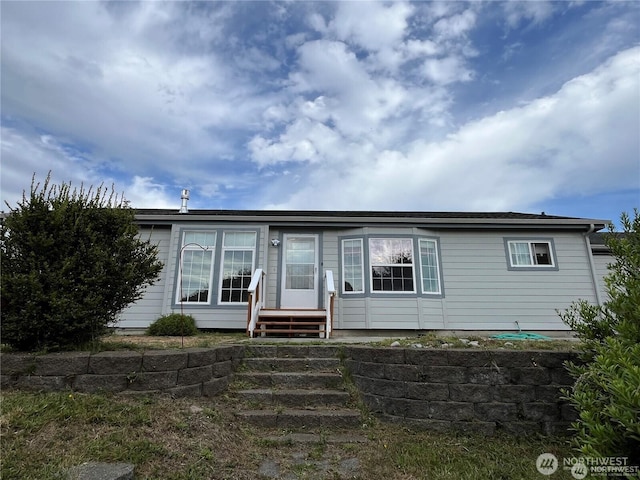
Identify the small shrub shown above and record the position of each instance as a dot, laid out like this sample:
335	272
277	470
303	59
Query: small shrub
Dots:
174	325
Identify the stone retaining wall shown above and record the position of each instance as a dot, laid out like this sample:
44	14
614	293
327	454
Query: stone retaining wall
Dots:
467	390
188	372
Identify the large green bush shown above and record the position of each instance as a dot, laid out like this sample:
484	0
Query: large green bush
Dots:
606	392
71	261
173	325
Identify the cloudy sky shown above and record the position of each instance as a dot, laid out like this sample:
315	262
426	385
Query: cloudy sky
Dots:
481	106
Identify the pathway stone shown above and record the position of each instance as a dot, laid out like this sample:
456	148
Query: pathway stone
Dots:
269	469
349	468
102	471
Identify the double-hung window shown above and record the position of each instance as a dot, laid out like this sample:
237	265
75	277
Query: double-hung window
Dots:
352	266
530	253
391	264
196	267
238	257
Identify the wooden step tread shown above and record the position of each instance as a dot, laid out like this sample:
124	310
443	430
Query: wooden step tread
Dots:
292	313
271	322
257	333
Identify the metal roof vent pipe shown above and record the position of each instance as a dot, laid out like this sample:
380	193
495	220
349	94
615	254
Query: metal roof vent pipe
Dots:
184	197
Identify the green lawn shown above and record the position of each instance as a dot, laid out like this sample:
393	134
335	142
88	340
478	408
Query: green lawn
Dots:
198	438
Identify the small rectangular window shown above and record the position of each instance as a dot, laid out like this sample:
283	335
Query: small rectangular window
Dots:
352	266
391	263
530	254
196	267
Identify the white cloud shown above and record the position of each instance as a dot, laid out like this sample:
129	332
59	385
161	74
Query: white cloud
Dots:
143	192
417	48
536	12
371	25
36	155
581	139
443	71
456	25
343	105
357	101
121	83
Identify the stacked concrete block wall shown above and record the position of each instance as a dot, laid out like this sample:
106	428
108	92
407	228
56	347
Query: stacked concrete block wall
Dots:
466	390
188	372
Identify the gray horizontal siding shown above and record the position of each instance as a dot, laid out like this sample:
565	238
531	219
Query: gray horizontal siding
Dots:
158	300
481	293
394	313
271	286
431	313
351	313
146	310
601	263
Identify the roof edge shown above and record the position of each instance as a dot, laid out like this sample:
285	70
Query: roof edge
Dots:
441	219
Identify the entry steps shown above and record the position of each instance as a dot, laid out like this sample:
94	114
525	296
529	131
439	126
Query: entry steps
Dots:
291	323
294	388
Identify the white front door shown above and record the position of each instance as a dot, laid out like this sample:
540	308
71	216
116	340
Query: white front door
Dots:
299	271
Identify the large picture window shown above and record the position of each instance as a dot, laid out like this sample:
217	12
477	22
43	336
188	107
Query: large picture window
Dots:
238	254
377	265
194	285
391	263
352	266
429	266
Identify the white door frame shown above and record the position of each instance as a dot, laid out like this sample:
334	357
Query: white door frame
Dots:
302	297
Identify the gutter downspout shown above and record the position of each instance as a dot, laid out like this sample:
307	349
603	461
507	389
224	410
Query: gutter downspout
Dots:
592	267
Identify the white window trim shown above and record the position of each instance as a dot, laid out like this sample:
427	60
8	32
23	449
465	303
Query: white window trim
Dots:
222	252
413	268
435	242
533	265
193	247
362	272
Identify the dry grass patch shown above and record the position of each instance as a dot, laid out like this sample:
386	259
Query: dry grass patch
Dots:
45	433
145	342
434	340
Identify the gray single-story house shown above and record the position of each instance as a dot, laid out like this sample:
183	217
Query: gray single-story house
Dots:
362	271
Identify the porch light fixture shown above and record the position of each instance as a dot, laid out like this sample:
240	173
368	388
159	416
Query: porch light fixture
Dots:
275	242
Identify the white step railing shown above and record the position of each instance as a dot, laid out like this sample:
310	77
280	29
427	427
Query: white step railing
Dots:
330	289
256	300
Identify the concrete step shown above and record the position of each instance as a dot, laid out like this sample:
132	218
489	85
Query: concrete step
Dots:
301	419
296	380
298	438
291	364
291	351
295	398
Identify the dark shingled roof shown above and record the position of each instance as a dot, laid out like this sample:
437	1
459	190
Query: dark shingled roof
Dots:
294	218
359	214
599	241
